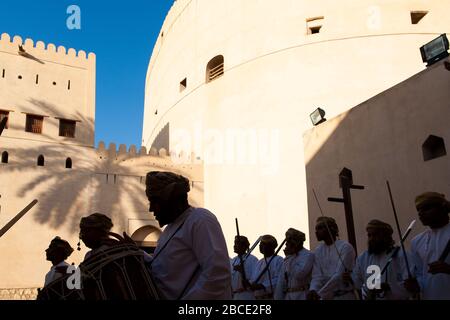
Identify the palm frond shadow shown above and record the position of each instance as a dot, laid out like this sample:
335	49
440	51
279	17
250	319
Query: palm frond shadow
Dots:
66	195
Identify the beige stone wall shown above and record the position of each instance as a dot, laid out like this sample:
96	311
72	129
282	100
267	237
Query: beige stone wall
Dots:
381	139
276	74
101	180
18	294
44	89
109	180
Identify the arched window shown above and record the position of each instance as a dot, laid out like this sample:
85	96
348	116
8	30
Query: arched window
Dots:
5	157
215	68
40	161
68	163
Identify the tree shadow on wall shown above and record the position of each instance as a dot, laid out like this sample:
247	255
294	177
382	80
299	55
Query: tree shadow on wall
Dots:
94	183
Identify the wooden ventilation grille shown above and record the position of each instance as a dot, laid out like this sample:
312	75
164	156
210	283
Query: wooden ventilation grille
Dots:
215	69
67	128
34	123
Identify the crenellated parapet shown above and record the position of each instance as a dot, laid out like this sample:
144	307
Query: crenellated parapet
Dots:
114	154
46	52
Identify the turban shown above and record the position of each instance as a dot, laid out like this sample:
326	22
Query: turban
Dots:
270	240
298	236
377	224
243	240
63	245
97	221
431	199
330	223
166	184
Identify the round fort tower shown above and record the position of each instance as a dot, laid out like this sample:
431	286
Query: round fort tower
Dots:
234	82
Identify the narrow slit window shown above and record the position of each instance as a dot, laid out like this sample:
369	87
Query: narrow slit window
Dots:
68	163
68	85
37	79
416	16
41	161
183	84
3	73
34	123
5	157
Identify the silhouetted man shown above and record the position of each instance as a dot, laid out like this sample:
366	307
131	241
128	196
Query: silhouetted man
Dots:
191	259
94	232
241	290
57	252
295	274
433	274
265	287
380	248
332	258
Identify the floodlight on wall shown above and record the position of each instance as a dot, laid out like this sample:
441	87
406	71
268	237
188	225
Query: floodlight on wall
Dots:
318	116
435	50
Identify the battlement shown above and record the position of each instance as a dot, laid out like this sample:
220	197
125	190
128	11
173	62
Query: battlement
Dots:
46	52
123	153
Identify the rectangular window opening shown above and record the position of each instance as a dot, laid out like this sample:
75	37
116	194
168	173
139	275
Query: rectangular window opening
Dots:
68	85
314	25
37	79
34	123
67	128
3	73
183	85
416	16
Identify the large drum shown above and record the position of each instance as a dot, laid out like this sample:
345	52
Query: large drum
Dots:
115	273
59	290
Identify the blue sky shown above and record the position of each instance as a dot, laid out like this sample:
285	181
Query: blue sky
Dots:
122	35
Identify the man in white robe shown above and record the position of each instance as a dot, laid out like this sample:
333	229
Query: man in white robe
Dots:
331	259
57	252
241	286
191	259
432	273
295	274
380	248
264	287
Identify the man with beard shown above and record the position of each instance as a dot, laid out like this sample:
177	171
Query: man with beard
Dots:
380	248
432	269
240	286
331	259
265	287
191	259
295	273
